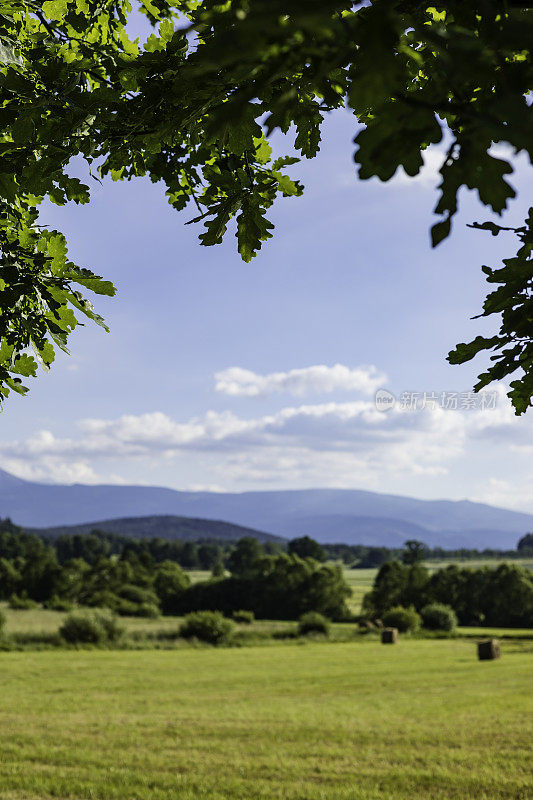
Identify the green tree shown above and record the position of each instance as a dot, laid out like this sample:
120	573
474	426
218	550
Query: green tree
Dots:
10	579
387	591
305	547
169	584
244	557
414	551
525	545
194	106
209	554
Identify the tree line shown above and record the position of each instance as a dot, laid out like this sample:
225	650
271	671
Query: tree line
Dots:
145	577
491	596
214	554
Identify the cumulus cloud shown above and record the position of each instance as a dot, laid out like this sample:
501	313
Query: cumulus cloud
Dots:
507	494
47	468
324	444
319	379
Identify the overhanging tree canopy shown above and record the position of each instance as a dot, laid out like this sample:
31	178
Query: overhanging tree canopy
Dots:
185	108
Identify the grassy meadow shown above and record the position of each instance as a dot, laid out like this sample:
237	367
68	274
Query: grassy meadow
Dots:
346	721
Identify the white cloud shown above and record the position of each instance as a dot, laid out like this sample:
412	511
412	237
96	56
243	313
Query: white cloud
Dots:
507	494
324	444
51	469
319	379
429	176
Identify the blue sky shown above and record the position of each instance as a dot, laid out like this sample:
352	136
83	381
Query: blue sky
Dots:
349	279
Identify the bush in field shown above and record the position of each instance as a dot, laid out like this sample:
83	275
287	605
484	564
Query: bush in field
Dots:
127	608
2	621
59	604
112	627
137	594
405	619
90	627
313	622
207	626
148	610
22	602
244	617
438	617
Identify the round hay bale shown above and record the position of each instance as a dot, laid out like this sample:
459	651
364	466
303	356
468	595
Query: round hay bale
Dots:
389	635
488	650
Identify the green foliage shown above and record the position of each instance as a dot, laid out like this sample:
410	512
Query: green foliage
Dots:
169	584
438	617
494	596
206	626
21	602
2	621
147	610
313	622
512	299
58	604
90	627
305	547
525	545
193	106
276	587
218	570
243	617
395	584
244	558
414	552
405	619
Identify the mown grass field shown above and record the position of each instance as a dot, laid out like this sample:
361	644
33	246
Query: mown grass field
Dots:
357	721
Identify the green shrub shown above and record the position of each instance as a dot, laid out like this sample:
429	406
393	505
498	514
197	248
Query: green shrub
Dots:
313	622
137	594
127	608
244	617
405	619
367	626
148	610
22	602
112	627
90	627
102	599
2	620
439	617
59	604
207	626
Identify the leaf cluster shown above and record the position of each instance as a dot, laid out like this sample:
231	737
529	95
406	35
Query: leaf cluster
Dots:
193	107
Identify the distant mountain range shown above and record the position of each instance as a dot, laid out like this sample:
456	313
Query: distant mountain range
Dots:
329	515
